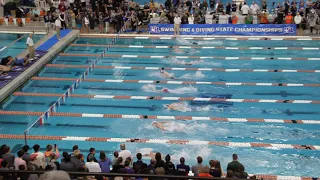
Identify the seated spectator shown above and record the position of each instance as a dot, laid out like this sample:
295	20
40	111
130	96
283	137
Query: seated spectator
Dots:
66	164
115	158
195	168
241	174
230	174
245	9
49	151
204	171
52	162
248	19
92	166
235	164
21	61
127	167
160	162
18	161
53	175
23	176
151	166
33	162
5	167
104	162
163	18
166	164
139	164
264	18
182	169
160	172
8	157
124	153
32	176
92	153
26	155
234	18
77	160
215	168
119	166
289	18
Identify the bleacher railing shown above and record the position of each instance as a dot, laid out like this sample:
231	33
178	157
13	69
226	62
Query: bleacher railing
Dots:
62	99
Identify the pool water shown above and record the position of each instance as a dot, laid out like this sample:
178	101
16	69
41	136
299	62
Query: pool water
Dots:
295	162
15	47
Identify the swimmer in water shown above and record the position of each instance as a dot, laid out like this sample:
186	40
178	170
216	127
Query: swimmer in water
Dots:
189	63
160	125
165	90
179	106
178	51
166	74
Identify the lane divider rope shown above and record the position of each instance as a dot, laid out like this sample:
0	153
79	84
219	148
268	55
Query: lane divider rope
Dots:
170	98
166	141
199	47
152	117
184	69
175	82
193	57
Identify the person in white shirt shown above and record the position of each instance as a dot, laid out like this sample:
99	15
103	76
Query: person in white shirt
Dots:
40	158
124	153
57	23
30	45
93	166
245	9
177	23
254	8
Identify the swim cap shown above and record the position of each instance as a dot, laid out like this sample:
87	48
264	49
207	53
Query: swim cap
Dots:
165	90
161	71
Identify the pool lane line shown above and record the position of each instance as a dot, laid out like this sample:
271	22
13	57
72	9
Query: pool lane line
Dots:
192	57
166	141
199	47
184	69
207	38
5	47
169	98
153	117
175	82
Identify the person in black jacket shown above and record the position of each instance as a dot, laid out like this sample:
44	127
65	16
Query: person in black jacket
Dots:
139	164
91	154
160	162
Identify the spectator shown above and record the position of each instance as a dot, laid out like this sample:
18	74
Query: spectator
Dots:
7	61
30	47
245	9
286	7
254	8
18	161
58	28
294	10
51	150
139	164
160	172
124	153
230	174
119	166
280	15
196	168
241	174
264	18
54	175
86	23
264	7
166	164
66	164
160	162
234	7
92	153
92	166
104	163
215	168
47	22
289	18
228	8
151	166
77	160
8	157
5	167
32	176
312	20
204	171
115	158
182	169
33	162
220	7
177	23
297	21
234	18
235	164
127	167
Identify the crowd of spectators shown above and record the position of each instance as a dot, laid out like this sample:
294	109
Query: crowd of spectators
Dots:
122	162
109	15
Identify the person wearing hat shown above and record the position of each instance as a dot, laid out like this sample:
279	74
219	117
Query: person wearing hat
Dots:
124	153
312	20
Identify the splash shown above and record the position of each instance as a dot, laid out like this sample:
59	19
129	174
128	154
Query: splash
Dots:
191	153
180	90
197	75
183	127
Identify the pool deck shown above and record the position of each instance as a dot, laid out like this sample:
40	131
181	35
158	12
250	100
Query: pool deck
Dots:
53	49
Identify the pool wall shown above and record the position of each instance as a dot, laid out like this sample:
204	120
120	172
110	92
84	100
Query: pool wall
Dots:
28	73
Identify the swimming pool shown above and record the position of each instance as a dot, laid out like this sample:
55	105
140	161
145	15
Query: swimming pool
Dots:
15	43
245	94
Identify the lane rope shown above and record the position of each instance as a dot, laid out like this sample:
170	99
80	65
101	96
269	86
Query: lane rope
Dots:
166	141
152	117
184	69
176	82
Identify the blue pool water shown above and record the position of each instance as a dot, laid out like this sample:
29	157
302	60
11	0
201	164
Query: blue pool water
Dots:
17	47
256	160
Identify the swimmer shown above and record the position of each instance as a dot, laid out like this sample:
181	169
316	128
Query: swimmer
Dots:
148	152
178	51
166	74
179	106
189	63
160	125
194	43
165	90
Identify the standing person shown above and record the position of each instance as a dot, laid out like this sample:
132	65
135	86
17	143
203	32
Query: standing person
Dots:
104	162
57	24
47	22
139	164
245	9
79	23
124	153
289	18
73	20
26	155
62	17
182	169
234	6
235	164
254	8
92	153
115	158
297	21
312	20
215	168
86	23
66	164
30	45
39	157
177	23
197	167
280	15
8	157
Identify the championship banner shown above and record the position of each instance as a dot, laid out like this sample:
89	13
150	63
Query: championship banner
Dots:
227	29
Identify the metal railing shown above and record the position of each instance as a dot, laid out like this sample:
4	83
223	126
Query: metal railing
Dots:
81	174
